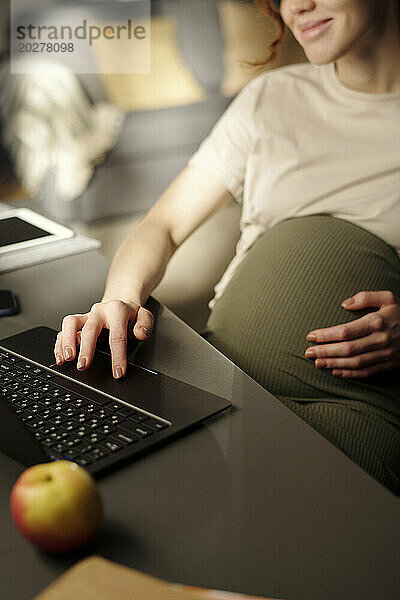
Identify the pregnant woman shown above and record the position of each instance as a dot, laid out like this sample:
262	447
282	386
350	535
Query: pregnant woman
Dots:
309	306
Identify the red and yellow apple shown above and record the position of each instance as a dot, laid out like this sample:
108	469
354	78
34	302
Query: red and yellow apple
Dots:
57	506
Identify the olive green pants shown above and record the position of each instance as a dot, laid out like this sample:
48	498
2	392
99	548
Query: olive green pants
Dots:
292	281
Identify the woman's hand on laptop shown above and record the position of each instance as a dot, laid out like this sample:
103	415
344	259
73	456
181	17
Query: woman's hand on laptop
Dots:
122	318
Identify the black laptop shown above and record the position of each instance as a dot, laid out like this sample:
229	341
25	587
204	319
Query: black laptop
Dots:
50	412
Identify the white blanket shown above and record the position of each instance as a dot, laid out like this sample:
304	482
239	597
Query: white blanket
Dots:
49	124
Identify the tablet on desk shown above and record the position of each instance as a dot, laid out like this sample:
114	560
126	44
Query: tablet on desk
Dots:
22	228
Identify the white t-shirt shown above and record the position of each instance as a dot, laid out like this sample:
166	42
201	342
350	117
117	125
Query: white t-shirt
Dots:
296	142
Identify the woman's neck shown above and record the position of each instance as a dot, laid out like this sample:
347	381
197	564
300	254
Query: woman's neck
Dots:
374	66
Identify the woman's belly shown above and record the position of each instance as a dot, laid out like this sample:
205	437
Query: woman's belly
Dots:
292	281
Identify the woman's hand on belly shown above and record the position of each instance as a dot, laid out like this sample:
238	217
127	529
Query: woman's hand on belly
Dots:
365	346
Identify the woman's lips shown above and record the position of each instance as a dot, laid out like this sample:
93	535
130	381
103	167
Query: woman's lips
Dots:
314	28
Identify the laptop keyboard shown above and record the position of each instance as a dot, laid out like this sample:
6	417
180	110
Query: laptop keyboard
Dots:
68	425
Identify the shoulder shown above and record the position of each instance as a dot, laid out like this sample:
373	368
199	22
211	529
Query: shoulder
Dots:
277	90
298	74
285	87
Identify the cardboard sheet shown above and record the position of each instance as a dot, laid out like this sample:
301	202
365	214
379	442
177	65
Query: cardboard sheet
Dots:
96	578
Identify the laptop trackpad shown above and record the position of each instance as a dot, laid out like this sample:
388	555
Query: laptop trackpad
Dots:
99	376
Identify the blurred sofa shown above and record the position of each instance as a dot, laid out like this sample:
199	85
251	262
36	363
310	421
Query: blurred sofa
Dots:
156	141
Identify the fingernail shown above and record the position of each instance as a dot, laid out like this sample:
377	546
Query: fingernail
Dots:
58	359
68	353
145	330
310	354
81	362
337	373
117	372
312	337
347	302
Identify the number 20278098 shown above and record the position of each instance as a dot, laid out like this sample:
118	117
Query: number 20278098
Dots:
40	47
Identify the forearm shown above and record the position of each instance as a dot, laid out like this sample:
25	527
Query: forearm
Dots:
139	263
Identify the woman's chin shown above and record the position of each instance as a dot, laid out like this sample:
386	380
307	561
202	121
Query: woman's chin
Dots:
320	54
319	58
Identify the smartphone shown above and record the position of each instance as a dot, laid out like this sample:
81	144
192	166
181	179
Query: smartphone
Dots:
8	303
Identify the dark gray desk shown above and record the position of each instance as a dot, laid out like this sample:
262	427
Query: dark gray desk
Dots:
254	501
